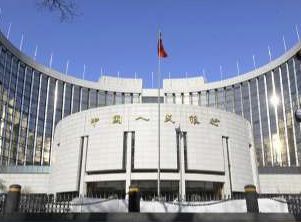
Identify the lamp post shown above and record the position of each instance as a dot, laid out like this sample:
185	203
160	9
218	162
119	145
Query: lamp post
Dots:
298	115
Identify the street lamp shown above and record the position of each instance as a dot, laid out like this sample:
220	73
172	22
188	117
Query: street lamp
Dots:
298	115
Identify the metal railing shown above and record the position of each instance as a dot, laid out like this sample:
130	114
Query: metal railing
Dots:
43	203
2	202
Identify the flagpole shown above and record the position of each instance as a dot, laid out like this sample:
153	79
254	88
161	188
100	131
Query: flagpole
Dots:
152	80
298	36
21	42
270	54
35	53
284	43
159	111
8	31
254	62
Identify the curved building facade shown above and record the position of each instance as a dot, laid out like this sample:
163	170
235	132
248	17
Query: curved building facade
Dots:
34	98
118	145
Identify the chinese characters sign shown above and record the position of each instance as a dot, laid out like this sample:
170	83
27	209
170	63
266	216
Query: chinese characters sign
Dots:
168	118
214	122
193	119
93	121
117	119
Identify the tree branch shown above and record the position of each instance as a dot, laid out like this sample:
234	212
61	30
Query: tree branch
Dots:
66	8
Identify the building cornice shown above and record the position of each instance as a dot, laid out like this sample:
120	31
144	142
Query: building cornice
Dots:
131	85
115	84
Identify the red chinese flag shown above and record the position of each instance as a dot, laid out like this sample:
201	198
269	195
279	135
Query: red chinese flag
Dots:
161	51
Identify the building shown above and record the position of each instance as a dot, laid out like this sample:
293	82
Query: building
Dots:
203	150
34	99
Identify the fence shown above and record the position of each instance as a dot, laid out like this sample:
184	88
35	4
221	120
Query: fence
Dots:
2	202
42	203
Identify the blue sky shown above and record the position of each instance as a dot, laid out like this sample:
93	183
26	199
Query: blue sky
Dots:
120	35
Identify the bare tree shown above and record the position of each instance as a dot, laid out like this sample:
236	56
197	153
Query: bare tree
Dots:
66	8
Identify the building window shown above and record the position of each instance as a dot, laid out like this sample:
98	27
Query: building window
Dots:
92	98
128	98
101	98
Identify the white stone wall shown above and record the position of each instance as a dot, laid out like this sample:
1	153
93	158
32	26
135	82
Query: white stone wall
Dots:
205	151
65	155
105	145
111	83
30	183
280	183
241	164
180	85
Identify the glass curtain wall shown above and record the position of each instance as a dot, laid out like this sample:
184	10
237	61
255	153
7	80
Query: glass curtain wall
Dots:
32	103
268	102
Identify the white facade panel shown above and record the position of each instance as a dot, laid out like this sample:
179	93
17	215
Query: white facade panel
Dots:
204	150
107	146
66	156
30	183
146	151
280	183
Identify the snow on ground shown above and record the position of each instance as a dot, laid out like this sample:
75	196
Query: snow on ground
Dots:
230	206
